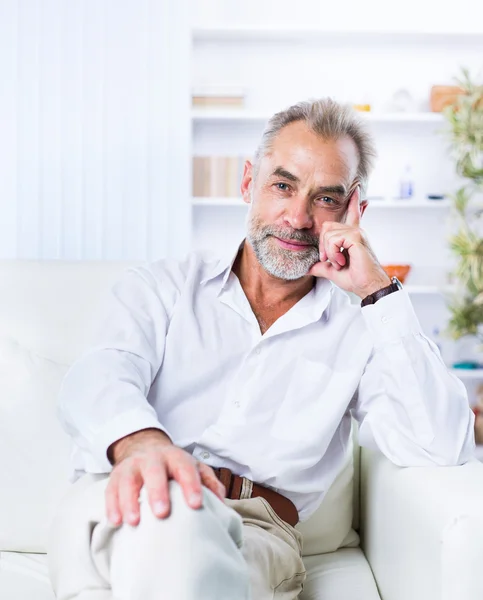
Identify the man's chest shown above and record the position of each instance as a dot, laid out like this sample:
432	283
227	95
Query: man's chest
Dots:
223	354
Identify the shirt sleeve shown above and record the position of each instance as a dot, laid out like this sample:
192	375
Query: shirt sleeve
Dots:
408	404
103	397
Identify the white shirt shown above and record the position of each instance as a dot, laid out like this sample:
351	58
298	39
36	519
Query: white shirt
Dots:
181	350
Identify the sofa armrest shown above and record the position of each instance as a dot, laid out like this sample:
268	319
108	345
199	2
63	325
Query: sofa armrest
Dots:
422	529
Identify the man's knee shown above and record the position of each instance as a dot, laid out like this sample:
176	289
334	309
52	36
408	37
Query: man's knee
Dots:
183	519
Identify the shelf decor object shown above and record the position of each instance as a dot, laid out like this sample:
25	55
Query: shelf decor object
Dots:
442	96
399	271
216	97
465	118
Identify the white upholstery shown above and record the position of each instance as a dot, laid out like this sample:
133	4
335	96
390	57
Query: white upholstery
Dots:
24	577
330	527
47	314
341	575
423	529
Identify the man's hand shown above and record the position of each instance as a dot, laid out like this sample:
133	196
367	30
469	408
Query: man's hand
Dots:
148	458
355	268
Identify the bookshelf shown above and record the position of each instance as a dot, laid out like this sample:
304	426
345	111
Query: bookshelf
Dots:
365	67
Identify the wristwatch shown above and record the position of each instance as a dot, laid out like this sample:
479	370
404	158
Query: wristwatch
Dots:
374	297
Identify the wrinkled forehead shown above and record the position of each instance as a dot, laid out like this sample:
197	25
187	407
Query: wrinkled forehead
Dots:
307	155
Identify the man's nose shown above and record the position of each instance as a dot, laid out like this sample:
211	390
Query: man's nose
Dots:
299	214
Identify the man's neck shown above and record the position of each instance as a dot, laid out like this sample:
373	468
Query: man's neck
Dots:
263	289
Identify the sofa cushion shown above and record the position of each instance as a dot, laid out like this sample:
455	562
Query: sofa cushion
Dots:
341	575
24	577
34	451
48	311
50	306
330	527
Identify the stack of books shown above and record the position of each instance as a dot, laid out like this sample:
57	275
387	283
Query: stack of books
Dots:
218	97
217	176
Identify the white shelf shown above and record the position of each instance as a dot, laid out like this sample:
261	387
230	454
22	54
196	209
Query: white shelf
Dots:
416	203
476	374
243	115
387	203
230	33
427	289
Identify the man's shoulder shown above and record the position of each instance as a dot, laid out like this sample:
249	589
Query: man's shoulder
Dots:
194	268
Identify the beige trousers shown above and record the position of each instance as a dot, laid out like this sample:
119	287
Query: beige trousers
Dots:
232	550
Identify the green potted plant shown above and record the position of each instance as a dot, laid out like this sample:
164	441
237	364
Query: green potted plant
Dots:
465	118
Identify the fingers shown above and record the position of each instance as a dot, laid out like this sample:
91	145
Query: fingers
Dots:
153	471
211	481
333	241
322	269
353	215
129	487
157	488
184	470
112	501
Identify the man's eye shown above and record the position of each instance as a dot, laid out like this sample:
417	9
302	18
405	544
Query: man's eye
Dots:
283	187
326	200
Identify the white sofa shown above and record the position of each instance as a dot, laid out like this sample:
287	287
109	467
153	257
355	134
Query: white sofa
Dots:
421	529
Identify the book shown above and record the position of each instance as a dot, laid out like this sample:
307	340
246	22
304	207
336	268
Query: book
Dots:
217	176
218	97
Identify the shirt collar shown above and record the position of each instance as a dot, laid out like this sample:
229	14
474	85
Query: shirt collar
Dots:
223	265
311	307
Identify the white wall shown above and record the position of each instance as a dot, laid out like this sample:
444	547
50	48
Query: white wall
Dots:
95	134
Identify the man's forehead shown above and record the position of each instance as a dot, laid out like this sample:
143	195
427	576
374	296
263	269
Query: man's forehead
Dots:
333	172
302	150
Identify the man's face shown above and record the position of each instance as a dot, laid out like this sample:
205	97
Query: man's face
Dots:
302	182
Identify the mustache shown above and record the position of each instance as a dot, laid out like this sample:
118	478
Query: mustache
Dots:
292	234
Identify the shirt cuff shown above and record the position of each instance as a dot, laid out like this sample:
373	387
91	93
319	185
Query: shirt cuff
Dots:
120	426
391	318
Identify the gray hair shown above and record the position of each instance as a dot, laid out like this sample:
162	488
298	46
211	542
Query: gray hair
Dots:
331	121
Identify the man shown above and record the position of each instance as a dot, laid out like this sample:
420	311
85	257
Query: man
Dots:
240	376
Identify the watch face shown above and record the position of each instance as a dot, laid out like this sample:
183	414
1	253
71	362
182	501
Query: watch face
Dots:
396	281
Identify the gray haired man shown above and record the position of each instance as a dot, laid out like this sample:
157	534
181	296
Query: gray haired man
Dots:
213	411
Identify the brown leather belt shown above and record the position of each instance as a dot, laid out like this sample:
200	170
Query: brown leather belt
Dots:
239	487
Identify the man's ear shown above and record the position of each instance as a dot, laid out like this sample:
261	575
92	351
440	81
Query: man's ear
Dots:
363	205
247	182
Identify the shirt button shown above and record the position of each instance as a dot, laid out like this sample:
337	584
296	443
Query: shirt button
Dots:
237	403
384	319
205	455
257	351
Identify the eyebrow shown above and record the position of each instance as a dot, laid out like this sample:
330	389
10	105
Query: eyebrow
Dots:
336	190
281	172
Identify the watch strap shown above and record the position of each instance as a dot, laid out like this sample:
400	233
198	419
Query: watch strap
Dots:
385	291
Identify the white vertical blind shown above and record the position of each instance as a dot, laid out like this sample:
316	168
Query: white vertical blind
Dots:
95	129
